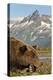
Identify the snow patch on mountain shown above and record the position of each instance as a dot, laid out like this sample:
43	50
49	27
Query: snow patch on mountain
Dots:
30	22
46	24
34	38
23	24
32	33
41	31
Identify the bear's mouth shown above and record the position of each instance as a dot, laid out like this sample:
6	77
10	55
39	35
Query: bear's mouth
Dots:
28	68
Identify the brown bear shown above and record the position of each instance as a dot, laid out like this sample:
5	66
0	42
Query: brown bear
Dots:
22	54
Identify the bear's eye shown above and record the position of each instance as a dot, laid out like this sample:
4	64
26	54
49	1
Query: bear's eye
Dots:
23	49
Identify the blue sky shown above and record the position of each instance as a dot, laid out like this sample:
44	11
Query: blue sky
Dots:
27	9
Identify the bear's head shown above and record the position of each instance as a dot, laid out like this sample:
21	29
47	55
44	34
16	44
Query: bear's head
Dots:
22	53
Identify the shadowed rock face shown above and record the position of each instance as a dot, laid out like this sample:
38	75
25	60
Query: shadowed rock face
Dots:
22	54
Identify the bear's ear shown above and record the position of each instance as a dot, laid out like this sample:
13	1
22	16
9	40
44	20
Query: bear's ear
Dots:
23	49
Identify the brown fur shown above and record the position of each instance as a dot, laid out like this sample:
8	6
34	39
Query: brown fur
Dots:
22	53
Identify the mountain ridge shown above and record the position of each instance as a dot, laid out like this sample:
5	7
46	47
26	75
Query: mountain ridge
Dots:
33	29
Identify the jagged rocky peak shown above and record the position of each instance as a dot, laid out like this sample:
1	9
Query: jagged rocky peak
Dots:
35	15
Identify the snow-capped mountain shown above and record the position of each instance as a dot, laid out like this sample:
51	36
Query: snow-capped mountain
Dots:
34	29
